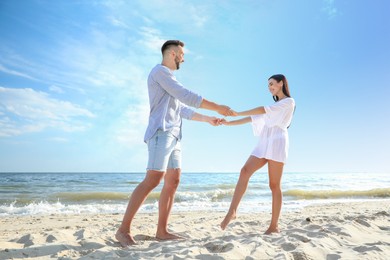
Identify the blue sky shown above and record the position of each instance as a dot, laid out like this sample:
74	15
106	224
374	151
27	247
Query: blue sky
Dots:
73	93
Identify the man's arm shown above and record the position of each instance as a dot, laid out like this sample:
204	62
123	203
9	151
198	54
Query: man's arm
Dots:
221	109
203	118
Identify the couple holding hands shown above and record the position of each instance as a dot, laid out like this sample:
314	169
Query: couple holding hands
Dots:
169	103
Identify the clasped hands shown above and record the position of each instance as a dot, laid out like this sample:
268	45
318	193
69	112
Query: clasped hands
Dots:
224	111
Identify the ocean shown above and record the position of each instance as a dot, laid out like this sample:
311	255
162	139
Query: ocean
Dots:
92	193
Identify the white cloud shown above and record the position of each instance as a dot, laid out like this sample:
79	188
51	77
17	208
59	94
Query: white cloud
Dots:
118	22
329	8
56	89
97	70
151	38
47	70
15	73
182	14
26	110
197	15
131	127
107	68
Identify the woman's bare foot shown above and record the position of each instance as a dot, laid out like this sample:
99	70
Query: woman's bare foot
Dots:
124	238
226	221
168	236
272	230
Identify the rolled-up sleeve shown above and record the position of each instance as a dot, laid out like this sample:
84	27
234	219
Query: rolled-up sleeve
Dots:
169	83
186	112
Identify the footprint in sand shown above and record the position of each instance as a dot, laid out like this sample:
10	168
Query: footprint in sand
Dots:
363	249
216	247
332	257
229	238
79	234
288	247
382	214
384	228
90	245
300	238
300	256
362	222
50	239
27	240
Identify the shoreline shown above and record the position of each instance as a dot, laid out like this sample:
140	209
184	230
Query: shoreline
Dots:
356	230
44	208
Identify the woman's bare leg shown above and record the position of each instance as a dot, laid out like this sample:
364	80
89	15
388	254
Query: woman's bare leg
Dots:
275	171
252	164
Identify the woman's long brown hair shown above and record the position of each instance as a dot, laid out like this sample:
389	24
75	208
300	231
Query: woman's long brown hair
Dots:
278	78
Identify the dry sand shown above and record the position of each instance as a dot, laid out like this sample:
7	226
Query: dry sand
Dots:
331	231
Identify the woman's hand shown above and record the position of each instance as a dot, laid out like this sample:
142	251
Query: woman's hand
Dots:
223	121
212	120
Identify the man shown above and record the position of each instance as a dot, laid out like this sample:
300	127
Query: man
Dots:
168	105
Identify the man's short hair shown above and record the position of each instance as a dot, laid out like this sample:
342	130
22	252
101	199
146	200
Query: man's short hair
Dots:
169	43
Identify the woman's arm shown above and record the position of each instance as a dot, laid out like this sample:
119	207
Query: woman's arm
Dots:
240	121
251	112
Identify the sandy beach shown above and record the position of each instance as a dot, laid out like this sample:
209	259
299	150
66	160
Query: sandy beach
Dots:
358	230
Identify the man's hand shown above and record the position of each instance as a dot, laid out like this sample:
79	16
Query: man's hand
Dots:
220	109
214	121
223	121
226	111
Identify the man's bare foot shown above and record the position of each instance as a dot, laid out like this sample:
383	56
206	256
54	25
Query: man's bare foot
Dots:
124	238
226	221
272	230
168	236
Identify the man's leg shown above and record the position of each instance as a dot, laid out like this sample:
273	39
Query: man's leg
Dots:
167	197
152	179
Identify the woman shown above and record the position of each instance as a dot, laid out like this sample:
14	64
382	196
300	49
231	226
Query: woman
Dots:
270	123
